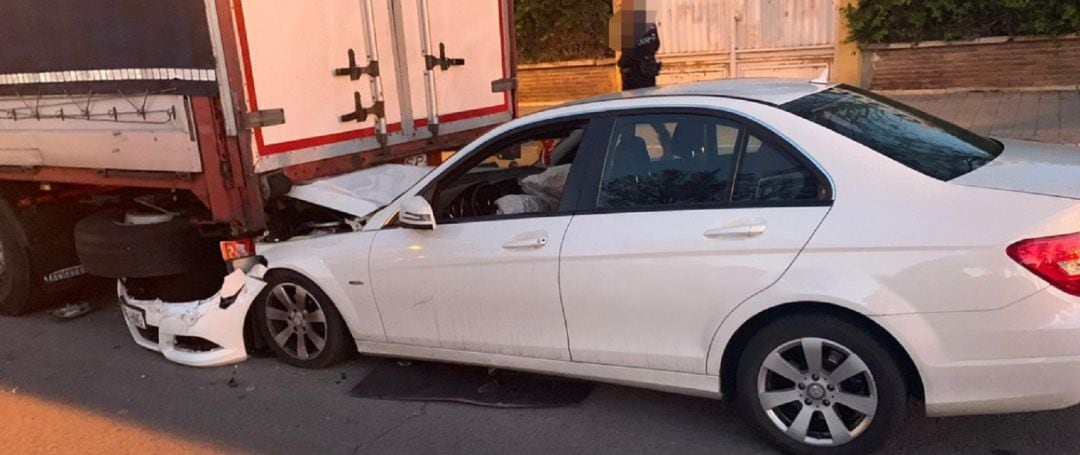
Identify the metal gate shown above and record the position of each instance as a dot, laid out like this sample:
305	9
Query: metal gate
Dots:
715	39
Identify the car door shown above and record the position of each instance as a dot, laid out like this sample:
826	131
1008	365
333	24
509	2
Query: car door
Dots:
685	216
486	278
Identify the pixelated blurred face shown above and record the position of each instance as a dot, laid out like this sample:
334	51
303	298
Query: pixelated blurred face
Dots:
629	24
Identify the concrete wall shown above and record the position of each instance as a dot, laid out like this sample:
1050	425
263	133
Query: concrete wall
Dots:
985	63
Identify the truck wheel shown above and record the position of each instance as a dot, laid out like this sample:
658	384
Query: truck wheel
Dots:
15	284
115	244
300	323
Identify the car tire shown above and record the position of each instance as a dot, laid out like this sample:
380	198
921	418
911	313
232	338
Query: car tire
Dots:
109	248
292	315
858	385
16	286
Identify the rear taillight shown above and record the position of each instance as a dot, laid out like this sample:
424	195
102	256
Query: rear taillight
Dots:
1054	259
232	250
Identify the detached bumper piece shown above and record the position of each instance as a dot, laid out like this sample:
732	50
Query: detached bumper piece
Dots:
202	333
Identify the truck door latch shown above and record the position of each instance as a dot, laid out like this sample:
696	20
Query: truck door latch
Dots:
354	72
442	61
263	118
361	113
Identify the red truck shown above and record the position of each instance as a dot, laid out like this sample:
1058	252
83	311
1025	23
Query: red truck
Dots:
135	135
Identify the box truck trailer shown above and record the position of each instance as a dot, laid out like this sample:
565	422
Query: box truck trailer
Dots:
135	135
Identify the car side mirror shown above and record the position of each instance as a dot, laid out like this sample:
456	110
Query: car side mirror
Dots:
416	213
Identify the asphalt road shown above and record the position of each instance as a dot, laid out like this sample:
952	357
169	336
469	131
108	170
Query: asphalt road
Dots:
83	386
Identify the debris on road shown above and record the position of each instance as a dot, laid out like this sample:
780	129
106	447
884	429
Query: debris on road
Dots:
72	310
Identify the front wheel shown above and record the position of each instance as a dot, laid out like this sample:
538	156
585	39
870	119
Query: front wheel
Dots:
300	323
818	384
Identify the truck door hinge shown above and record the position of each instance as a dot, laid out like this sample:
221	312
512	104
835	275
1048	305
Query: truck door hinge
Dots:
354	72
361	113
504	85
263	118
442	61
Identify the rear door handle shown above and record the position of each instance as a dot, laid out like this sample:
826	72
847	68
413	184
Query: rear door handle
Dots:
535	242
742	230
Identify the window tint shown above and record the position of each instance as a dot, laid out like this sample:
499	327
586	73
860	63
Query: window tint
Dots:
916	139
668	160
526	176
767	173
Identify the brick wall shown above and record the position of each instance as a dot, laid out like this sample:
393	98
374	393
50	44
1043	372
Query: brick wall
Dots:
548	84
984	63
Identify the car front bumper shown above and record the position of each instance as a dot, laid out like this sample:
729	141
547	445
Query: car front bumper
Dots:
200	333
1024	357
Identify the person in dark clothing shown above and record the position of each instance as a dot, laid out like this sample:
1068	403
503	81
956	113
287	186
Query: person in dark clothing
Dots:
638	64
635	35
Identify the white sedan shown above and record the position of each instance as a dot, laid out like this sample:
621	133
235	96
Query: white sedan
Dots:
819	253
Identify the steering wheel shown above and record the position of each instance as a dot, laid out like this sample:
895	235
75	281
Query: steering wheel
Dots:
482	198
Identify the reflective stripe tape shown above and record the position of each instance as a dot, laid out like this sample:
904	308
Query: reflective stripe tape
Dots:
123	74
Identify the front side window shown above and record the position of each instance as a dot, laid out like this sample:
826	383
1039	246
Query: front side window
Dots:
517	177
914	138
656	160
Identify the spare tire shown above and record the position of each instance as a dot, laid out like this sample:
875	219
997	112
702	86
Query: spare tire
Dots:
109	247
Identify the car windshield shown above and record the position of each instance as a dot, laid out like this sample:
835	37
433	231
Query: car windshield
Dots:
914	138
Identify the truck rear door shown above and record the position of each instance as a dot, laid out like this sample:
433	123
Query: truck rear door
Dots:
370	75
456	50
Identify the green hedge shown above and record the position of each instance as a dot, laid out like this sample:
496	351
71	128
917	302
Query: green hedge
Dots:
553	30
903	21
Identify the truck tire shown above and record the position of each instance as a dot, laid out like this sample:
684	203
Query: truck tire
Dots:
110	248
16	296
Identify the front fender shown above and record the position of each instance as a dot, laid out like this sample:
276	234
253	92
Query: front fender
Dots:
338	264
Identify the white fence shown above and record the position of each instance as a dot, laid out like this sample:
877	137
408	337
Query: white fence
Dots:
708	39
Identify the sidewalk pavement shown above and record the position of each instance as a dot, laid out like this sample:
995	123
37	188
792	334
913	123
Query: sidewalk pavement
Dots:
1044	116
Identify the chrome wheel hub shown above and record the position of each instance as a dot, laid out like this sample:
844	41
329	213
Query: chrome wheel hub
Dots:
296	320
817	391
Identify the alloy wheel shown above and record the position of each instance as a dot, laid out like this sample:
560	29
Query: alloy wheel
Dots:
297	321
817	391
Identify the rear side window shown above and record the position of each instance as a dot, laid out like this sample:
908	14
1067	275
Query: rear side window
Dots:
687	160
768	174
914	138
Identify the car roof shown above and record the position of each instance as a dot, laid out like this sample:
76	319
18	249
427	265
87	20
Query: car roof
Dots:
773	91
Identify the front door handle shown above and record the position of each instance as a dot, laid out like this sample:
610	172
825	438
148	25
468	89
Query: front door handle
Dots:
535	242
742	230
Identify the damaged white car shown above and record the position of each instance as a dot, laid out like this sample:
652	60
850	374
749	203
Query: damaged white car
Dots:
217	330
818	252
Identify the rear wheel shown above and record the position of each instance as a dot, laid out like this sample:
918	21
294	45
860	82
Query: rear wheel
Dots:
300	323
818	384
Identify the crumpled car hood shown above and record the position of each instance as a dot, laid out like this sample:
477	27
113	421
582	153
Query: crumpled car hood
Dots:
363	192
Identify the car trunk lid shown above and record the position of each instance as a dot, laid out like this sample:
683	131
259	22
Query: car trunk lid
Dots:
1030	167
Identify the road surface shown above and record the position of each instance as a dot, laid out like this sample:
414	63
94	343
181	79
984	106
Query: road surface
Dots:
84	386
